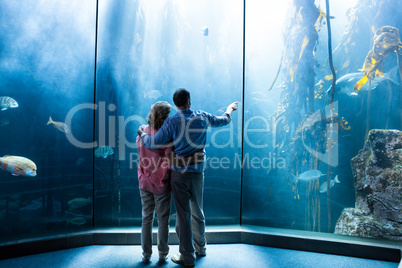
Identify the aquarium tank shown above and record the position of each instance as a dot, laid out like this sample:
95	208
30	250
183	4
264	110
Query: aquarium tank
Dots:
316	143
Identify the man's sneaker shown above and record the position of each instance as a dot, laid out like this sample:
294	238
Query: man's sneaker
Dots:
177	259
162	258
201	253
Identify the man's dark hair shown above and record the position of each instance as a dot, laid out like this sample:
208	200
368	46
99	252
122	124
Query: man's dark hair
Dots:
180	97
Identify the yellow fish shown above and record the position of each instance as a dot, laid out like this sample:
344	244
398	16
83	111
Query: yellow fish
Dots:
59	125
18	165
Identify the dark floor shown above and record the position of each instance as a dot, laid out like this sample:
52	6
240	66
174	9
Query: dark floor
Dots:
228	255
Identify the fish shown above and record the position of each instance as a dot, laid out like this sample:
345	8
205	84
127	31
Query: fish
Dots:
58	125
79	161
104	151
34	205
260	100
4	122
260	94
18	165
205	31
221	110
323	187
77	221
309	175
78	203
153	94
343	84
7	102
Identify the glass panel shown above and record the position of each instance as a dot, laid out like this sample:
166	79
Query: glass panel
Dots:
47	67
305	142
147	50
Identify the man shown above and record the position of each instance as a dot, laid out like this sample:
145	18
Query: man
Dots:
188	130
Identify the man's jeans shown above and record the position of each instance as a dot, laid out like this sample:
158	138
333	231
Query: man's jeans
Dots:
161	203
187	188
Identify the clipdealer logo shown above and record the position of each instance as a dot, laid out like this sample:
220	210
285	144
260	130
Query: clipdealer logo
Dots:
331	155
271	161
222	138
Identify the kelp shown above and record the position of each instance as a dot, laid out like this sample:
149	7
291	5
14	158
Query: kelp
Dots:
297	63
386	41
297	97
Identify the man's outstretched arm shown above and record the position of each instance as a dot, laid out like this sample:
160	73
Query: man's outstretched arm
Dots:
232	107
217	121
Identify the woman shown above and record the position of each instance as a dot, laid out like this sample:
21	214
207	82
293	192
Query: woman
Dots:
154	184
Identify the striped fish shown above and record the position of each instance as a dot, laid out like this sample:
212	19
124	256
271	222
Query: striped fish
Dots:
18	165
7	102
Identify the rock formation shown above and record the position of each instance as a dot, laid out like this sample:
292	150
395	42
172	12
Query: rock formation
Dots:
377	171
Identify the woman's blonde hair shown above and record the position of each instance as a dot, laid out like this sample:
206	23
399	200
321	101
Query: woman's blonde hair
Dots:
158	114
